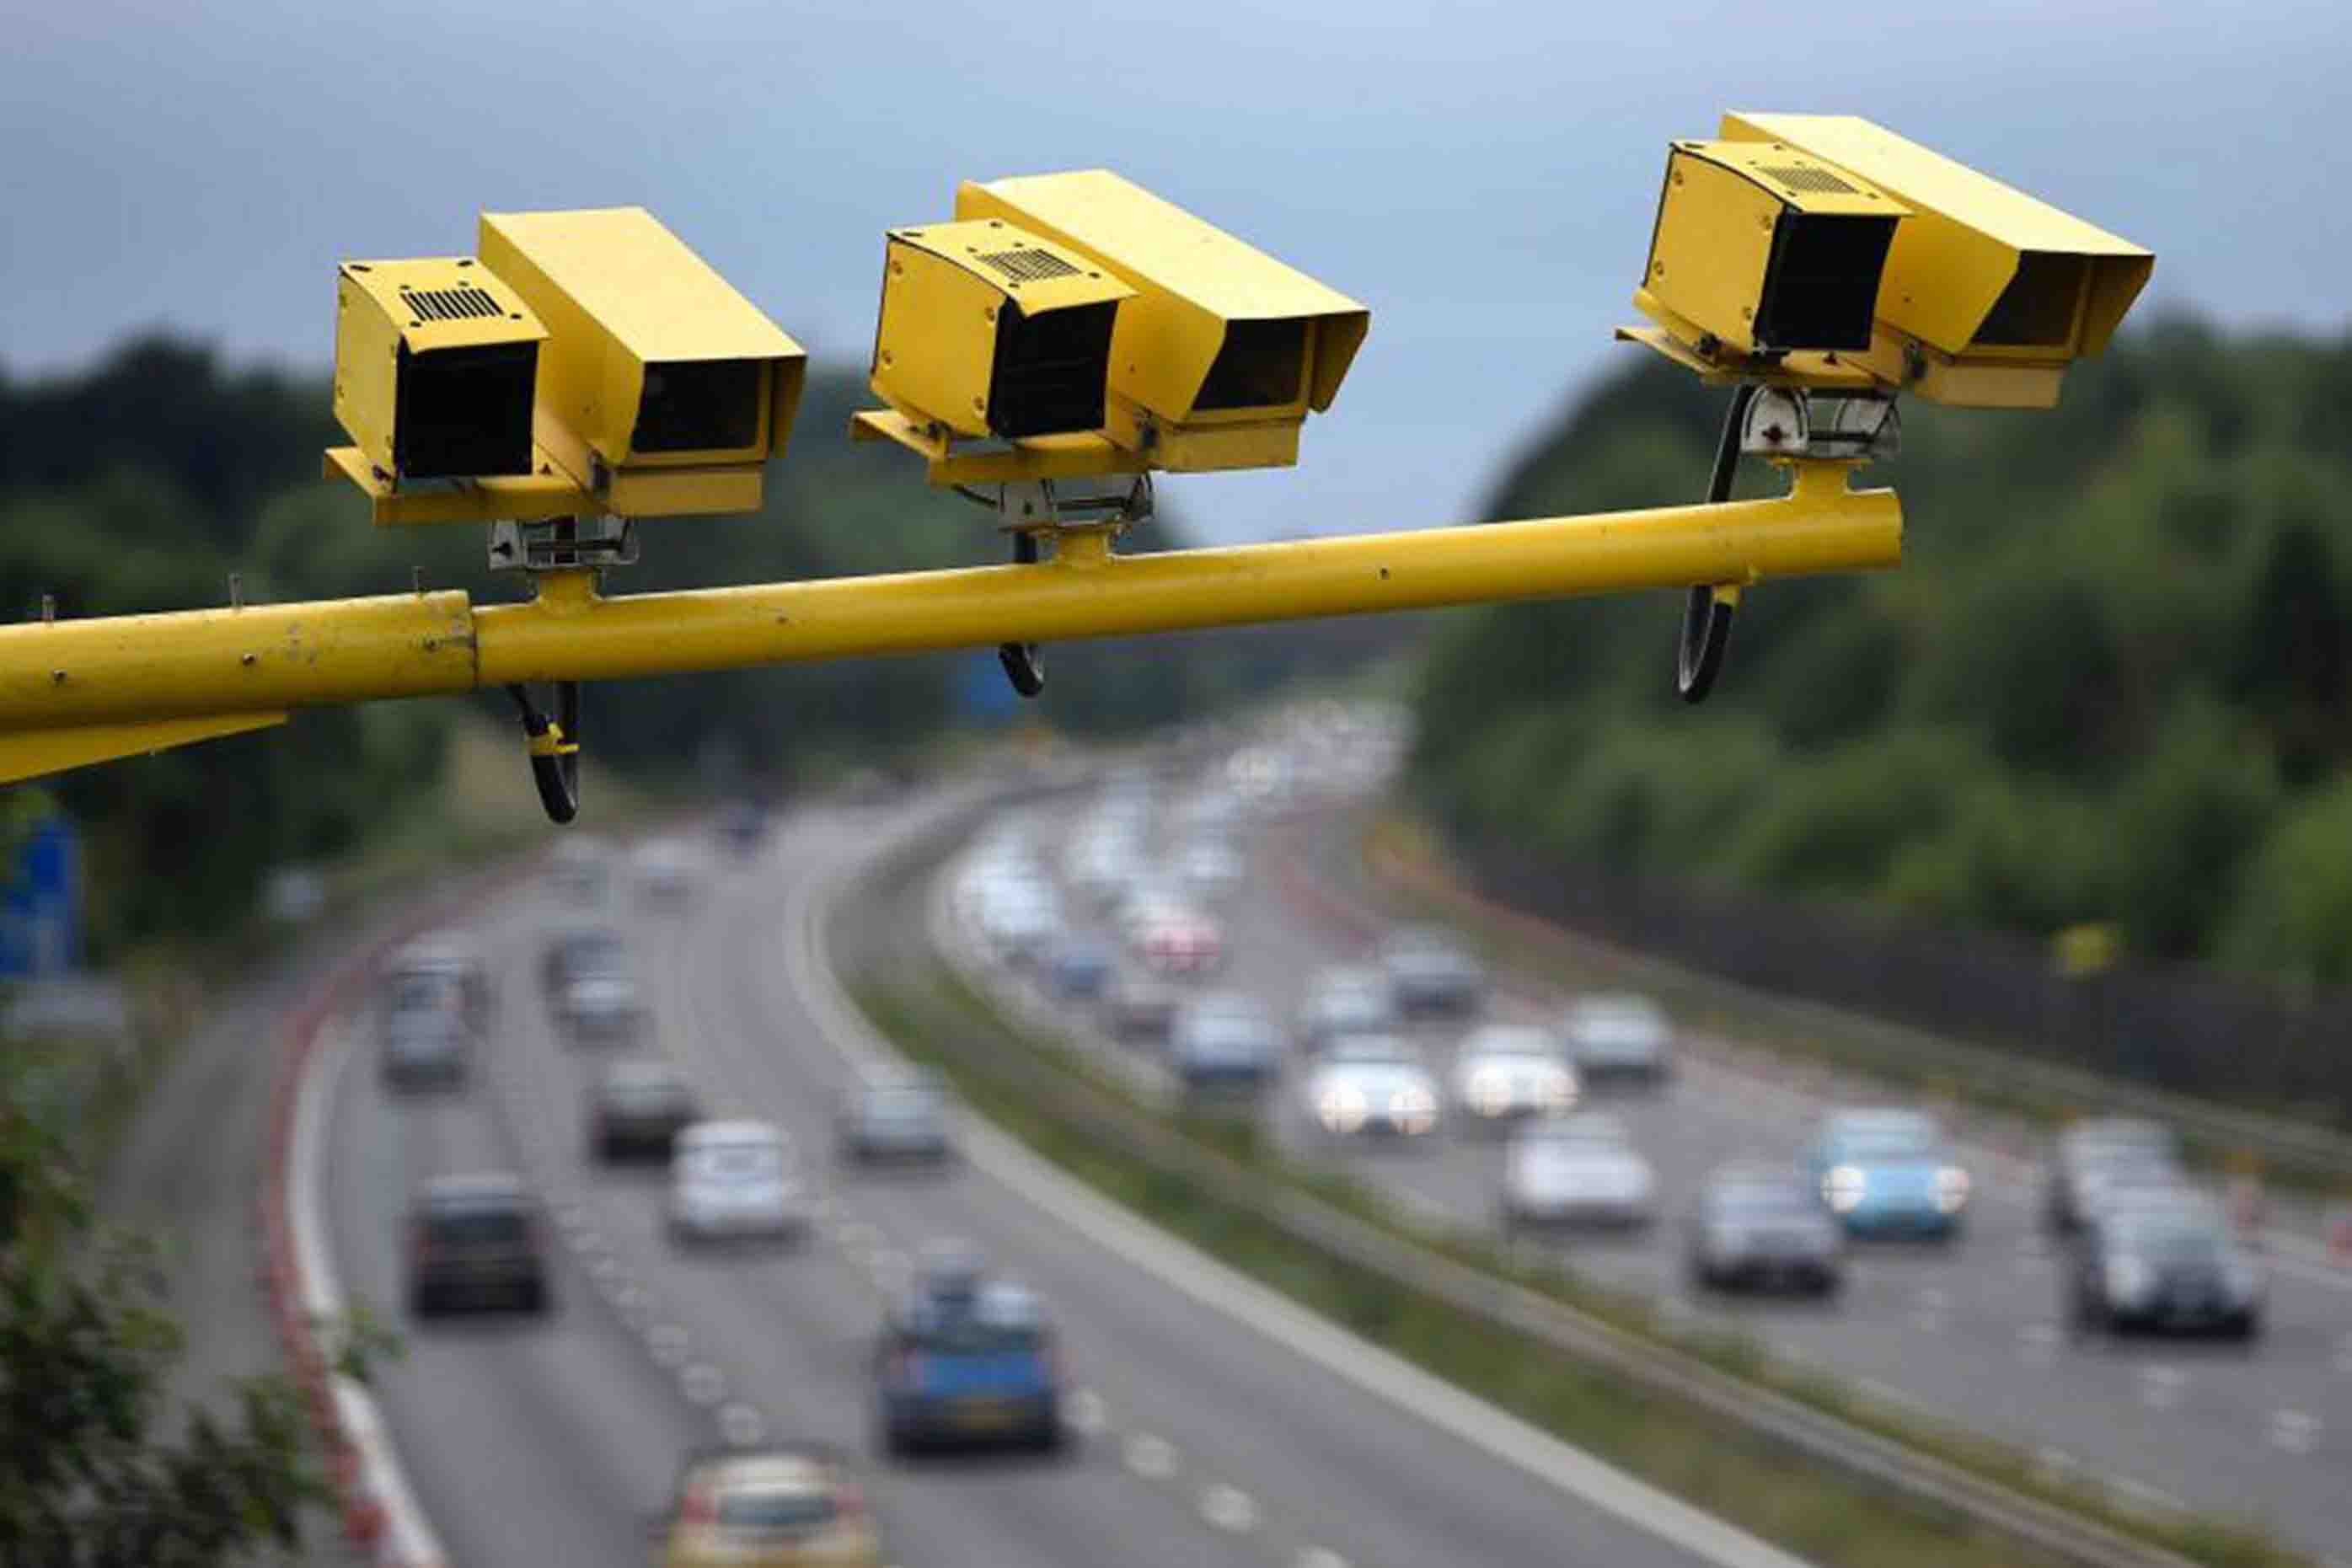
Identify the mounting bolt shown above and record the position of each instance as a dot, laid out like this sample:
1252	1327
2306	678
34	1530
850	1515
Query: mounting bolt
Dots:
247	659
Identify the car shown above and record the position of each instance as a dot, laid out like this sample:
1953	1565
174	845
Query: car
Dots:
775	1506
602	1010
974	1367
899	1118
476	1240
575	952
1177	940
2167	1265
1505	1073
1761	1228
665	871
2102	1153
1372	1085
1885	1172
434	968
734	1181
1019	918
636	1110
1619	1038
1079	967
1342	1000
1428	973
1138	1009
1577	1170
425	1047
1224	1043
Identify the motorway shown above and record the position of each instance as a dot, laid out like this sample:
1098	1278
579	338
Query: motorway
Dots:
1207	1440
1971	1335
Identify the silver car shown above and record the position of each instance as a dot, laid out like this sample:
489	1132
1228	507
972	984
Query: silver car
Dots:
1505	1073
1580	1170
1620	1039
1372	1085
734	1180
1762	1228
1345	1000
1225	1043
1428	972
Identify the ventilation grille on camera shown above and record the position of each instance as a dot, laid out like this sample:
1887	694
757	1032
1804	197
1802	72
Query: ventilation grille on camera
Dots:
1026	264
1805	177
464	303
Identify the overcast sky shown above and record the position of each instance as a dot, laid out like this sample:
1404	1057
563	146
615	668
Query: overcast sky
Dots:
1482	175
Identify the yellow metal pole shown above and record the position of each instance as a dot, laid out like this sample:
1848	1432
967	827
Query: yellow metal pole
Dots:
1084	592
265	659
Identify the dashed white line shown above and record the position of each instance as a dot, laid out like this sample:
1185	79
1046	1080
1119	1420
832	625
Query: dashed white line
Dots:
1318	1557
702	1383
1149	1457
741	1424
2296	1431
665	1343
1084	1412
2142	1498
1230	1509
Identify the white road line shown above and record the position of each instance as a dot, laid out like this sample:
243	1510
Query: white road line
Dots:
702	1383
742	1425
2142	1498
1084	1411
1230	1509
1318	1557
665	1343
1212	1283
407	1537
2296	1431
1149	1457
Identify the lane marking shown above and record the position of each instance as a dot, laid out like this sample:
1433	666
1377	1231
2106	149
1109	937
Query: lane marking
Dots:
2296	1431
665	1343
742	1425
1230	1509
1319	1557
1084	1412
1149	1457
702	1383
2142	1498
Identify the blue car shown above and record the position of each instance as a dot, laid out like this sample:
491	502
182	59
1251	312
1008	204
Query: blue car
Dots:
965	1368
1079	968
1889	1173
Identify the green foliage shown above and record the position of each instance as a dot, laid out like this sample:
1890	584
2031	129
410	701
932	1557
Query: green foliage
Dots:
87	1476
2111	683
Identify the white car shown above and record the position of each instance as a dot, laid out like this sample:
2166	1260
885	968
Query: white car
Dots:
1620	1038
577	869
1577	1170
665	870
1020	918
1372	1085
1507	1072
1345	1000
732	1180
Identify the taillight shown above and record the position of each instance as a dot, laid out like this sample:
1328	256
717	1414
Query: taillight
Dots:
849	1500
700	1507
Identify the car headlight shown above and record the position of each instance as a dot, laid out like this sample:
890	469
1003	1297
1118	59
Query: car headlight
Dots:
2129	1280
1414	1111
1951	1189
1489	1092
1340	1107
1843	1187
1559	1091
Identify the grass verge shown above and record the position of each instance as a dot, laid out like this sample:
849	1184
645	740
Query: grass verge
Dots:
1830	1516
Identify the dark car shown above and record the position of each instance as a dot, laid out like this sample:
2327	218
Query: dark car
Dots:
895	1120
1224	1044
636	1110
1136	1009
425	1047
742	827
968	1369
2166	1266
1762	1228
2097	1157
475	1241
1429	973
1079	968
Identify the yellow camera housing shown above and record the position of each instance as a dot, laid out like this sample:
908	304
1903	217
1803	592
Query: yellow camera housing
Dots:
1763	251
436	360
1988	294
653	360
988	330
1223	351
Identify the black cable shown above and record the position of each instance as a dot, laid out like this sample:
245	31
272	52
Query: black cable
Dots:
554	762
1706	620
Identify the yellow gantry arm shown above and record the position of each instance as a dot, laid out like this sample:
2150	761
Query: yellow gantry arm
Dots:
70	675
